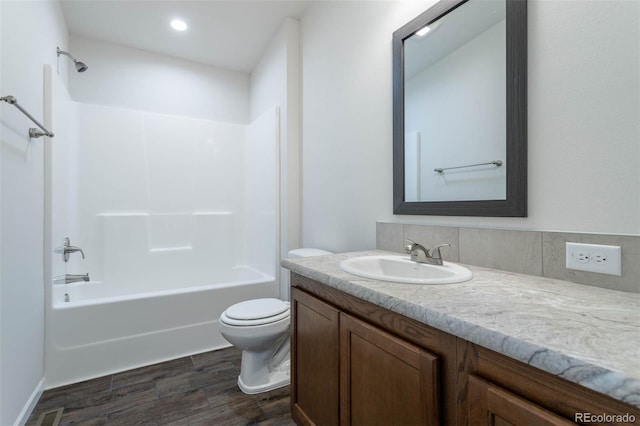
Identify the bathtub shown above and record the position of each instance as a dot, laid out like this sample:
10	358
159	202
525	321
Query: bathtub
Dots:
99	328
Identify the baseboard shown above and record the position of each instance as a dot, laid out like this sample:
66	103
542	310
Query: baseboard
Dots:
30	405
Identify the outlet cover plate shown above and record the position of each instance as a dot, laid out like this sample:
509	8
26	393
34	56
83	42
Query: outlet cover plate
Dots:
594	258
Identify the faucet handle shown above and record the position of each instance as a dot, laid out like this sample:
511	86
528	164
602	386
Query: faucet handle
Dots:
66	248
65	243
409	247
436	250
73	249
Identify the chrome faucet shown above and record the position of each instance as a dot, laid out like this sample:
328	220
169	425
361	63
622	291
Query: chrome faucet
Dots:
421	254
66	249
71	278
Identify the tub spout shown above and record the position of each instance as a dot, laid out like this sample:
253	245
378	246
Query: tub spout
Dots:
71	278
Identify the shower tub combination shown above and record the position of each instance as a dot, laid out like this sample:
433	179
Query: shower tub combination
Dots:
177	218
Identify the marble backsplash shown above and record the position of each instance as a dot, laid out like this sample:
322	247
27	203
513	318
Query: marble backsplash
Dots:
537	253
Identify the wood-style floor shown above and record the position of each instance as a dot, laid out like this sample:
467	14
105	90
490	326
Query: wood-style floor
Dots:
195	390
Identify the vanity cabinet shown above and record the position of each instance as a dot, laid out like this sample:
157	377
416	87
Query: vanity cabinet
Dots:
356	363
346	371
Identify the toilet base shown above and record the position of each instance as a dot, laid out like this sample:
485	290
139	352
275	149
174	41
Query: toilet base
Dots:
266	369
277	379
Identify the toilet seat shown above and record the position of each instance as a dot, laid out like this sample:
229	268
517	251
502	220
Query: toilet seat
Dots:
255	312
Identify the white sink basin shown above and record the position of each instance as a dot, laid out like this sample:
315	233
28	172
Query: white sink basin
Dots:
398	268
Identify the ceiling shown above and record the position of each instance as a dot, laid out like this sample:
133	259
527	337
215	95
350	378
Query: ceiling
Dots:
231	34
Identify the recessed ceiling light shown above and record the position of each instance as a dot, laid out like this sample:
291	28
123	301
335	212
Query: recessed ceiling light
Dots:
428	28
178	25
423	31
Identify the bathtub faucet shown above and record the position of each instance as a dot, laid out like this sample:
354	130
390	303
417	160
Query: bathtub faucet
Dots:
71	278
66	249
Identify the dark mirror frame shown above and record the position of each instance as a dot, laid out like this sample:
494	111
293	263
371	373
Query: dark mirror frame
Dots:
515	204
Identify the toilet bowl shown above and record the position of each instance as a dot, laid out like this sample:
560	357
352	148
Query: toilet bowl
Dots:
260	327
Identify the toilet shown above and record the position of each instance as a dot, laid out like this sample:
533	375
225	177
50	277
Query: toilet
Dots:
260	327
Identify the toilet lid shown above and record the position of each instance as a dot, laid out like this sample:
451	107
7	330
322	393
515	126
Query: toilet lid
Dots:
257	309
307	252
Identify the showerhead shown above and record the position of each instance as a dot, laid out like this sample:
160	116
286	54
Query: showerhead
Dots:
80	66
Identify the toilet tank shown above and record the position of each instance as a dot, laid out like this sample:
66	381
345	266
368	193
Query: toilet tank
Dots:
307	252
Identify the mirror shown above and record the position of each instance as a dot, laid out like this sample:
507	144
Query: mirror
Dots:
459	110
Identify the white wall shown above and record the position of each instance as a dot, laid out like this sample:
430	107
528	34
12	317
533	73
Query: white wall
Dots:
583	120
25	49
584	116
275	80
346	119
131	78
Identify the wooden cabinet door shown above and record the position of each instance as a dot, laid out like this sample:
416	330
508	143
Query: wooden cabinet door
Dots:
385	380
315	355
491	405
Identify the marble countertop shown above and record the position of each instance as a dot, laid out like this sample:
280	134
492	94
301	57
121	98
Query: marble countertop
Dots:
587	335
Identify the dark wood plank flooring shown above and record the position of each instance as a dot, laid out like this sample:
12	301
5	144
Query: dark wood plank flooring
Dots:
195	390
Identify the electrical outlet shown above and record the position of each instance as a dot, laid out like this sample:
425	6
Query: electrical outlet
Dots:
582	256
600	258
594	258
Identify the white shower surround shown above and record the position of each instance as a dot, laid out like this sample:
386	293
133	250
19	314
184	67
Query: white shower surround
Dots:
178	220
